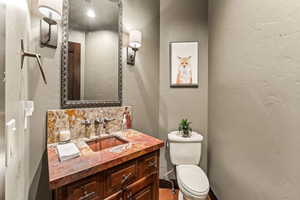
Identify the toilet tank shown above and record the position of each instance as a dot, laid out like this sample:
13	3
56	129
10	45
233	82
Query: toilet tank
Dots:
185	151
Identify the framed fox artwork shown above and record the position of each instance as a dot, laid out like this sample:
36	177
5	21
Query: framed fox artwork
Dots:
184	64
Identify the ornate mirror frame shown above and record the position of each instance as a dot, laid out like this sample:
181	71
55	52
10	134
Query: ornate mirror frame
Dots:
65	103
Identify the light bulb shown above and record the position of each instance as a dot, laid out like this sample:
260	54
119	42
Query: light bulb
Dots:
91	13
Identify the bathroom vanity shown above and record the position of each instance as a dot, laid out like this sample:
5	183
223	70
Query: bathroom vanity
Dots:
123	165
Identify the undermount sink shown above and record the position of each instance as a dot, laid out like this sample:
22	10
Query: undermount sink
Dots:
105	143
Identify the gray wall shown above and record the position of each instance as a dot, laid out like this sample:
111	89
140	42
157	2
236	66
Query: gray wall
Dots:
141	82
101	65
254	99
45	97
2	56
18	27
2	101
183	21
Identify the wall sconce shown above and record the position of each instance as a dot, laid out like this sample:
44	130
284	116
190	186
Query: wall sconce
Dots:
135	42
52	12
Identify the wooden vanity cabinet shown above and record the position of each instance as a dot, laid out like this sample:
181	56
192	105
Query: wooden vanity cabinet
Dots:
137	179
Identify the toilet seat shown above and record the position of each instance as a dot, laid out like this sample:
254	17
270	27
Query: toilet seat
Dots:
192	181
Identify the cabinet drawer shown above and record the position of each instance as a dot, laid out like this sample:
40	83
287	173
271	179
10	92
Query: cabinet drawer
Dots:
148	165
86	189
119	177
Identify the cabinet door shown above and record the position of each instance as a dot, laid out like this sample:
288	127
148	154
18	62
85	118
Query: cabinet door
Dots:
143	189
118	178
148	164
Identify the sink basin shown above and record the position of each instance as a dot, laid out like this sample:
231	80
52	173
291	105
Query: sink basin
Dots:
106	143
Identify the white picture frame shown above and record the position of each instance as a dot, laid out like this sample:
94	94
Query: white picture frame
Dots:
184	64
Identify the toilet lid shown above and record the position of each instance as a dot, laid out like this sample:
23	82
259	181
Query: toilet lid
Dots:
193	179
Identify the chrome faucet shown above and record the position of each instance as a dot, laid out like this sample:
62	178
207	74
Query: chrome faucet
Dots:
104	122
87	124
97	123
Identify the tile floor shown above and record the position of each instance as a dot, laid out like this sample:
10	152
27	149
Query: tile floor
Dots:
166	194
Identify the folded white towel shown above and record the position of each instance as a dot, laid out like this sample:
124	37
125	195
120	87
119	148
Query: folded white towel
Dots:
67	151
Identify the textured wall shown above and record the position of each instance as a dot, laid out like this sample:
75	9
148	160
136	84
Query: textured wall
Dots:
141	82
2	56
254	99
18	27
45	97
183	21
2	100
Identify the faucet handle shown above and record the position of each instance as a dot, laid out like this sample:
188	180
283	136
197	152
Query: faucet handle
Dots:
98	121
86	122
106	120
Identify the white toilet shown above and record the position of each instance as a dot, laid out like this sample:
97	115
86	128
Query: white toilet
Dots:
185	154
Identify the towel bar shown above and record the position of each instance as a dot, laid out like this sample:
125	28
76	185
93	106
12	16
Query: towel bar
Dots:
32	55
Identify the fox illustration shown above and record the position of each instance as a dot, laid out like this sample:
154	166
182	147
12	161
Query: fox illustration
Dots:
184	73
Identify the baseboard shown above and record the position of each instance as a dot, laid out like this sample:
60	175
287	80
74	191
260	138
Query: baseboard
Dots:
166	184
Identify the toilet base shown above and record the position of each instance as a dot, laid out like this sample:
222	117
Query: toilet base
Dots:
180	196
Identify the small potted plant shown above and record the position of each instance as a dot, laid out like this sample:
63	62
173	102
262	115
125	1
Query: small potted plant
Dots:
185	128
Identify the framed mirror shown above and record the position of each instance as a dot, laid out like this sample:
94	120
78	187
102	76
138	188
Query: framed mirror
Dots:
91	73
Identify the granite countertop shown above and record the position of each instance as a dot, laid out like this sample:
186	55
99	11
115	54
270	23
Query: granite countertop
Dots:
90	162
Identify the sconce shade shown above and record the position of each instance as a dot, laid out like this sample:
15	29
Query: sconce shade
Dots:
135	39
51	9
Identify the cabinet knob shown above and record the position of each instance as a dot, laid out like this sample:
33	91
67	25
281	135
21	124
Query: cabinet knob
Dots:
129	195
126	178
152	164
87	195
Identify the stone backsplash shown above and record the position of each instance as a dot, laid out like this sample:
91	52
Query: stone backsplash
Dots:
72	119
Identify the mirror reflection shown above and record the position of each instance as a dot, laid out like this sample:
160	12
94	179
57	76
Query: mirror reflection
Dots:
93	57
